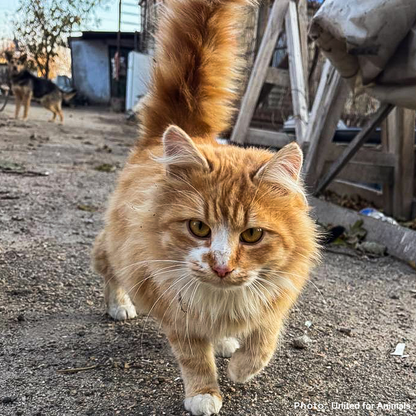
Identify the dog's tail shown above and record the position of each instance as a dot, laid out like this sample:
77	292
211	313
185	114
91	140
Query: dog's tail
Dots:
196	68
67	96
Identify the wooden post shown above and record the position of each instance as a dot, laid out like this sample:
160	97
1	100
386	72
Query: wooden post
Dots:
354	146
387	146
263	14
326	111
259	72
303	32
404	145
297	76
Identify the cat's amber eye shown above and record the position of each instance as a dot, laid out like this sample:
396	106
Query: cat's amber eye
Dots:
199	229
252	235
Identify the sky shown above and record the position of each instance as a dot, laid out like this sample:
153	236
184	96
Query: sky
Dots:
108	17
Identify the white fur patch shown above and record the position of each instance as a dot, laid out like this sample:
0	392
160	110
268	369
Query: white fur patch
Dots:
220	246
203	405
121	311
226	347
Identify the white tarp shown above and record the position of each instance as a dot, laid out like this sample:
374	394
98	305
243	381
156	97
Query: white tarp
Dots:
372	43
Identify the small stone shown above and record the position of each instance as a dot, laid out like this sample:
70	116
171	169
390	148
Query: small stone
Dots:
345	330
302	342
8	400
17	218
394	296
411	395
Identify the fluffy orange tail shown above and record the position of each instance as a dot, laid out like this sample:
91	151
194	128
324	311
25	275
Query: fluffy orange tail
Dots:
196	68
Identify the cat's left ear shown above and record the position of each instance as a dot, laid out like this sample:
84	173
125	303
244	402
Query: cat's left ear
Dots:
180	151
284	167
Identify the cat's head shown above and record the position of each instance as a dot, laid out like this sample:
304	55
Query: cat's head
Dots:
233	215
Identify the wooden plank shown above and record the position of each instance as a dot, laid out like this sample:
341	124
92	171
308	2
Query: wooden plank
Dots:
404	171
364	173
354	146
278	77
297	76
346	188
268	138
258	75
303	32
326	111
365	155
387	133
263	15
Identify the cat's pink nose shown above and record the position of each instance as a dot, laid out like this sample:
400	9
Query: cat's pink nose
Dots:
222	271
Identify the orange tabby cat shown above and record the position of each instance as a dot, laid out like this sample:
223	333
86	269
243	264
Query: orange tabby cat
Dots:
214	241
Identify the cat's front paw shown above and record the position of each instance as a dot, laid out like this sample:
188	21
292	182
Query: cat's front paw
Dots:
203	404
240	369
226	347
121	311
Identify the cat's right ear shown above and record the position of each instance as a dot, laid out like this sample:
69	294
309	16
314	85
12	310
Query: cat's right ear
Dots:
180	152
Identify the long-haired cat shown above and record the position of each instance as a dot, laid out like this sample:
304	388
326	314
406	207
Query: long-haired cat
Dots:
214	241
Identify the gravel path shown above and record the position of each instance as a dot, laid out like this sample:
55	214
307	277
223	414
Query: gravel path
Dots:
52	317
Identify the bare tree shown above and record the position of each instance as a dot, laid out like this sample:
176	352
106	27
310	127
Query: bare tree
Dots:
42	26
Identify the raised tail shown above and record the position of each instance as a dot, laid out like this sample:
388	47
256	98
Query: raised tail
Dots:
196	68
67	96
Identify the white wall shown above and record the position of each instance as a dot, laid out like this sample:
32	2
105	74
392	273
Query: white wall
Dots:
138	77
90	69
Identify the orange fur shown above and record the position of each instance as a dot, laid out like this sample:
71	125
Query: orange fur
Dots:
196	68
146	252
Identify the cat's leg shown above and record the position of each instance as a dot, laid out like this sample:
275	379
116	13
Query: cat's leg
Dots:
118	302
255	353
226	347
199	373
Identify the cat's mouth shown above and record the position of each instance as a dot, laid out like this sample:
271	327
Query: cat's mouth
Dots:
232	281
236	279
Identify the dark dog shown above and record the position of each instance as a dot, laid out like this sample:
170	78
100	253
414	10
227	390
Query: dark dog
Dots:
26	86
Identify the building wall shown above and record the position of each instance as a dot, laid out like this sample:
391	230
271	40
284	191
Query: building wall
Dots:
90	69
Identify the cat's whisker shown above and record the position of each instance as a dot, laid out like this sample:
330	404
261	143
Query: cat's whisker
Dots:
258	282
275	287
187	321
176	297
281	276
179	279
188	286
169	269
141	282
146	262
261	296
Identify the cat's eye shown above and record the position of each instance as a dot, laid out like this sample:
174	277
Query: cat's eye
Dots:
252	235
199	229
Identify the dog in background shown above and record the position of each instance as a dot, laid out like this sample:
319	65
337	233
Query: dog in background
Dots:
26	86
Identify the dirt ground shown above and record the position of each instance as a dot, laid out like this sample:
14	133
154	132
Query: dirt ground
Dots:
52	316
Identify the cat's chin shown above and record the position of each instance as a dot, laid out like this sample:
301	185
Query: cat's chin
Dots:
223	284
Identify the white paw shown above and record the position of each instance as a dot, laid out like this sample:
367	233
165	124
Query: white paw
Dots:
226	347
238	376
203	404
122	311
